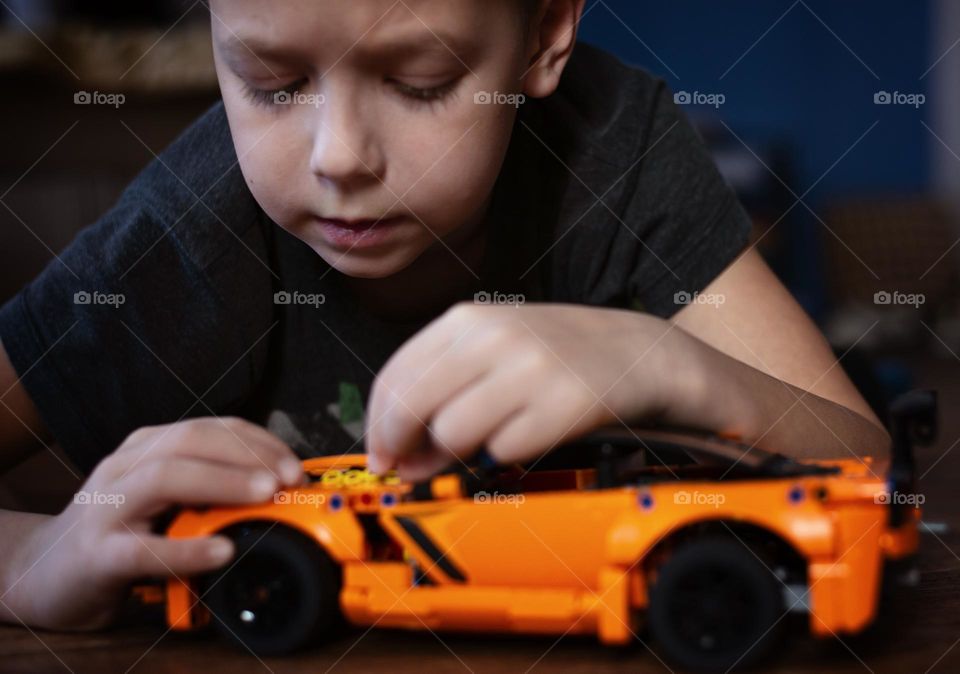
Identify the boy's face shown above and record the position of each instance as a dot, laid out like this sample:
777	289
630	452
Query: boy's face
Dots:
349	112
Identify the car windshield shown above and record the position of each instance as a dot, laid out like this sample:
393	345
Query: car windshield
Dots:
646	455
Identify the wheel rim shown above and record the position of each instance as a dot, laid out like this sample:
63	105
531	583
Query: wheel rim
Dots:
715	610
261	595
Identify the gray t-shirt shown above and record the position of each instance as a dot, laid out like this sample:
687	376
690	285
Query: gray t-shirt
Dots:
607	198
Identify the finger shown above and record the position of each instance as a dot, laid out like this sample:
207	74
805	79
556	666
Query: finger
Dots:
415	384
474	414
421	465
151	555
258	432
152	487
242	443
543	426
229	440
400	412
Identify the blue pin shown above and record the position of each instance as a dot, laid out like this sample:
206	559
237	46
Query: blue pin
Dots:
645	499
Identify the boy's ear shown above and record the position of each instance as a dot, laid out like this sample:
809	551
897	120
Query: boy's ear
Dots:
552	35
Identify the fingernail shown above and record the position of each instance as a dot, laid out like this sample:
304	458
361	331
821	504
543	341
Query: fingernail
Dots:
291	470
262	485
220	549
379	464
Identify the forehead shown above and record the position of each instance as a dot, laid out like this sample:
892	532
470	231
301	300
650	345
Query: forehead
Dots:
335	28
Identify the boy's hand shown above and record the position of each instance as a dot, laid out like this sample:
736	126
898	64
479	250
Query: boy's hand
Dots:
516	379
77	568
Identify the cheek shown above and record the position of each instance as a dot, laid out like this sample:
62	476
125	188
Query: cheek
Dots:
450	162
268	159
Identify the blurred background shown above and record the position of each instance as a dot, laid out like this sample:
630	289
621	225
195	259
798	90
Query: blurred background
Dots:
838	123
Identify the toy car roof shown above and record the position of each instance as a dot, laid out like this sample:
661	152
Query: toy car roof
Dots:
677	447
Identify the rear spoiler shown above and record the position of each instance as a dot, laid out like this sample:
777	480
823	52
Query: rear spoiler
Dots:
913	421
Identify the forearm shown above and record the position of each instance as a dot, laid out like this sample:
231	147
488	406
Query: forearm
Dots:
722	394
19	532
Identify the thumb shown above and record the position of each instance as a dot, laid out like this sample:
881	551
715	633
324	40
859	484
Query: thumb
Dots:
154	555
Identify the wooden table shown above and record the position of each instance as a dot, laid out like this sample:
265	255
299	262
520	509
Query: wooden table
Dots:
920	632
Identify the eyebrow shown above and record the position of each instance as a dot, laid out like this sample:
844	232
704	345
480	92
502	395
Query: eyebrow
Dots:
255	47
422	42
428	40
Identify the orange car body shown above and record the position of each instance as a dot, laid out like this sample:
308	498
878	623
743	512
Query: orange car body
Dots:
559	555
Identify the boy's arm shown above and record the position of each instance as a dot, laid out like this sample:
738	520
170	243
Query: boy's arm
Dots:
521	379
21	433
776	368
72	570
21	430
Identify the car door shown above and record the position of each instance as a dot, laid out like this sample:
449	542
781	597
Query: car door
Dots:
534	539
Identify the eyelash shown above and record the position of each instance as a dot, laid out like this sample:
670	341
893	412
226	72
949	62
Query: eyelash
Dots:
267	97
428	95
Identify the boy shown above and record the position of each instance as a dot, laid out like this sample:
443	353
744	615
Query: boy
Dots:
316	241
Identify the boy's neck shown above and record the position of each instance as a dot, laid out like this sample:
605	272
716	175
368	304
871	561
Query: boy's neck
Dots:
417	292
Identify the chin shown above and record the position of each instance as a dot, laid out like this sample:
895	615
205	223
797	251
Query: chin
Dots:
365	266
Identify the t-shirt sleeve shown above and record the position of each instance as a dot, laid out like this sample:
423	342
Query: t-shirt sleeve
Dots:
683	223
138	322
660	222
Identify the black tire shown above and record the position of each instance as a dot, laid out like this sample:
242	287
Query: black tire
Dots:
281	593
714	606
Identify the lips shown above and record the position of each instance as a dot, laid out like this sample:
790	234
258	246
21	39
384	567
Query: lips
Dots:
358	224
357	233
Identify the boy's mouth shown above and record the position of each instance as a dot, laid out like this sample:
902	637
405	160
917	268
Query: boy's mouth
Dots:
356	233
358	223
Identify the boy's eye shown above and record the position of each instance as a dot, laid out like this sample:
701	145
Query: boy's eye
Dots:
272	97
425	94
269	97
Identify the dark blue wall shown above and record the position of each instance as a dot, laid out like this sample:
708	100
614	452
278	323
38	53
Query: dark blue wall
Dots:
799	83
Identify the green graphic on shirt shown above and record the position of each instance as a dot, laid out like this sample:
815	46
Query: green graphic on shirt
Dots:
351	404
637	304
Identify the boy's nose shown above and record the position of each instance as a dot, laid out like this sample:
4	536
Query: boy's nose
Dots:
344	150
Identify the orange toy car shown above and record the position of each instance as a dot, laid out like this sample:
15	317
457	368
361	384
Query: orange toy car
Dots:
703	541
